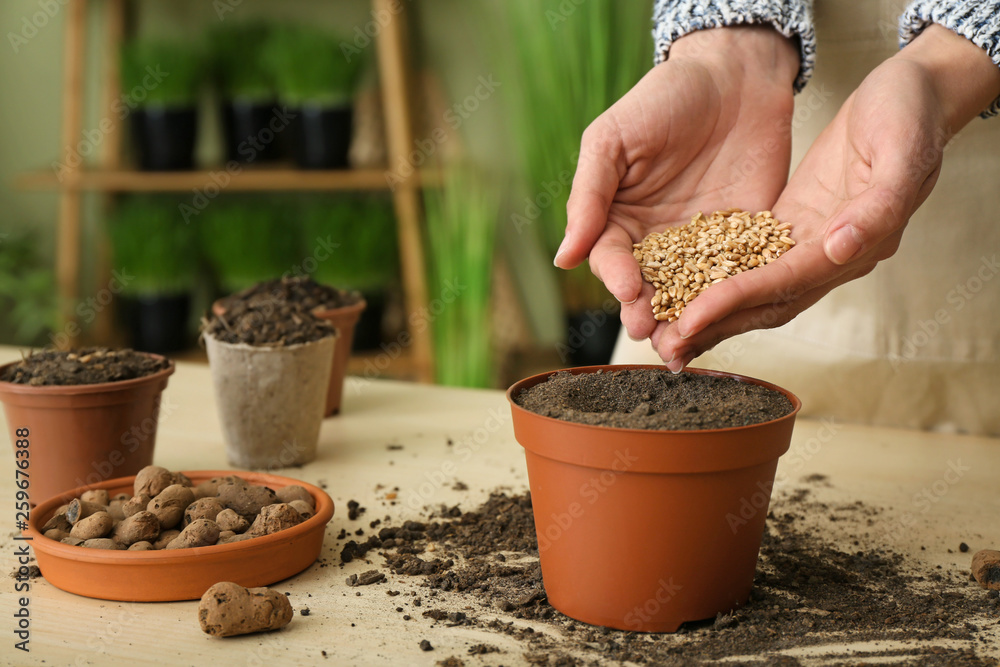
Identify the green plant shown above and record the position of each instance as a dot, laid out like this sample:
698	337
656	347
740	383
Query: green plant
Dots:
27	291
461	229
308	67
363	230
570	63
160	73
248	239
153	246
237	60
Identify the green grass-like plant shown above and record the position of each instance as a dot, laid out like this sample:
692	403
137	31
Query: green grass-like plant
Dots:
461	229
248	239
161	73
27	291
568	63
308	67
153	245
363	227
238	65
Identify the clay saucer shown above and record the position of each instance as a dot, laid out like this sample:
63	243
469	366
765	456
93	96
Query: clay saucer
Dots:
181	574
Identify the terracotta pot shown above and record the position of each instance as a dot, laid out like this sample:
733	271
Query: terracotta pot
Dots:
270	400
644	530
182	574
344	319
82	434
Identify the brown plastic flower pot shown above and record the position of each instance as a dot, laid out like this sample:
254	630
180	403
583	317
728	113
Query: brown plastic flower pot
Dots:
83	434
645	530
344	319
180	574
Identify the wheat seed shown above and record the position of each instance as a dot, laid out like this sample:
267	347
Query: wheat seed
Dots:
682	262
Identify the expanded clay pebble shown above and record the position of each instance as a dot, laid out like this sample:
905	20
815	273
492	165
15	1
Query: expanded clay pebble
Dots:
96	496
170	504
274	518
295	492
178	516
96	525
137	503
227	610
210	487
81	509
165	538
100	543
230	521
682	262
246	499
302	507
140	527
200	533
203	508
152	480
986	568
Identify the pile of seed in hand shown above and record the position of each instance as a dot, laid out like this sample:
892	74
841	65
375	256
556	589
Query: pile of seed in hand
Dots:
682	261
167	511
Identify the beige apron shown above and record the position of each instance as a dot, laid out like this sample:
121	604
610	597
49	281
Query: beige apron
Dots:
916	343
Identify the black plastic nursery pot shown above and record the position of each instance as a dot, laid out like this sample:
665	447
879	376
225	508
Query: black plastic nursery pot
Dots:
252	131
591	337
158	323
368	330
321	136
164	137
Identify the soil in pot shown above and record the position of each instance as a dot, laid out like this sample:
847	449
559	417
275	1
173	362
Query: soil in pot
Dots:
274	325
91	365
247	132
85	415
165	137
341	308
271	370
304	292
321	136
368	332
158	323
654	399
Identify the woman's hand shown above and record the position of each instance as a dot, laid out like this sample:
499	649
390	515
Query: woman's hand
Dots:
707	129
855	190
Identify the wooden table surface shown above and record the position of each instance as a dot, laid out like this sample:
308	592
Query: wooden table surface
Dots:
882	467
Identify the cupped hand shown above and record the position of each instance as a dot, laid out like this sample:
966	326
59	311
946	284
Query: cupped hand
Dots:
850	198
705	130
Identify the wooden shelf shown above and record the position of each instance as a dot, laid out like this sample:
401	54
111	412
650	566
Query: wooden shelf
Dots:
110	176
124	180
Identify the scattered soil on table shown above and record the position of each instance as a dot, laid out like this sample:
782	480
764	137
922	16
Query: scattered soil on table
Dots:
89	365
654	400
807	592
268	324
301	291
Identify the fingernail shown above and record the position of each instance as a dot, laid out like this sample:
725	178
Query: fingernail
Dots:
682	331
843	244
628	303
675	365
560	251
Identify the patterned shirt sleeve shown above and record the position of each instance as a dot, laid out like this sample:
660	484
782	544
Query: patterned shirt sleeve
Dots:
976	20
792	18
